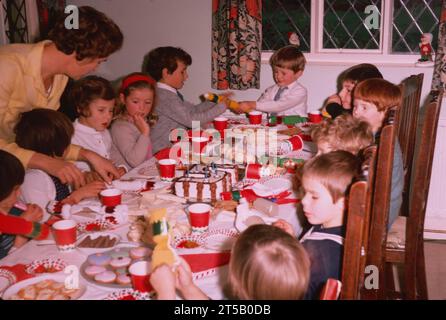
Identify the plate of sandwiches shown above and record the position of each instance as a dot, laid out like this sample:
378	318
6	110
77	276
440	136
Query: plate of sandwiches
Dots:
46	287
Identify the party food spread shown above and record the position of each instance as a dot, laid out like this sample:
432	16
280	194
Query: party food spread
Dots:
46	290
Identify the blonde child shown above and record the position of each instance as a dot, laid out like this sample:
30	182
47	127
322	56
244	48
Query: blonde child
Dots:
342	133
131	131
48	132
15	231
266	264
94	99
287	96
372	99
326	180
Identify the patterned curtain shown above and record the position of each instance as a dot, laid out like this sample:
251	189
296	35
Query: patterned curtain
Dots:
47	10
439	76
236	44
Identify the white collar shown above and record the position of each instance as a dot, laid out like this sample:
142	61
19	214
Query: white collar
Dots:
291	85
167	87
83	128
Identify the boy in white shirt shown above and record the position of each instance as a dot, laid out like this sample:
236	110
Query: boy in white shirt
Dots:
287	96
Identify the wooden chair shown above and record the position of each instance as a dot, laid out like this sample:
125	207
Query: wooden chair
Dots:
405	241
381	203
357	226
407	128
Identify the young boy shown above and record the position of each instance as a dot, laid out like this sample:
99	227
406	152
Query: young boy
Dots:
343	133
326	180
168	66
341	102
287	96
372	99
15	231
35	75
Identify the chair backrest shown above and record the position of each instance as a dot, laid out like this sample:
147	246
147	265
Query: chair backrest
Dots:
381	202
422	175
357	227
407	128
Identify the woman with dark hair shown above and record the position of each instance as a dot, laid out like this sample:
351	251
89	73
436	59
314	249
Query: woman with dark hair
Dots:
35	75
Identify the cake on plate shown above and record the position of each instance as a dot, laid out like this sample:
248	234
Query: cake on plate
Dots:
206	182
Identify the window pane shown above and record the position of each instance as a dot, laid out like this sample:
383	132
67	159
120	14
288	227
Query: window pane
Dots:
411	18
15	21
279	17
345	25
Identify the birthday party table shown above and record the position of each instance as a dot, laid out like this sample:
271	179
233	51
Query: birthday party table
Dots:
209	261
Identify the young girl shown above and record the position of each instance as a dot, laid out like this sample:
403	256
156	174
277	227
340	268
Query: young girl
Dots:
131	131
12	175
266	264
94	99
48	132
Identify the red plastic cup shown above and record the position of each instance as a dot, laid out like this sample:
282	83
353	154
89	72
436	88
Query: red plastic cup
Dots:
255	117
65	235
199	143
296	142
199	214
167	169
111	197
140	275
220	123
315	116
253	171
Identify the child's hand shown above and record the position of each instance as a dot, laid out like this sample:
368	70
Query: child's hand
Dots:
33	213
226	95
163	281
141	124
104	167
246	106
20	241
285	226
91	176
334	99
184	275
121	171
90	190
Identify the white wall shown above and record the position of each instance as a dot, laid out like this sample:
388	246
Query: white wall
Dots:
147	24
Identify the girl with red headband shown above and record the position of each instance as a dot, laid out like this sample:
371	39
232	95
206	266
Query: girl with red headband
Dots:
131	131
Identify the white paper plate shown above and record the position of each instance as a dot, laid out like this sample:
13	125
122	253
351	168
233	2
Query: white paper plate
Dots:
271	187
58	277
219	239
246	217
